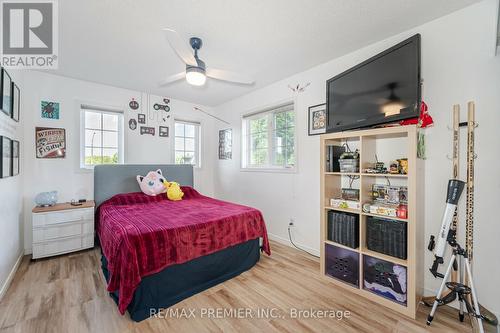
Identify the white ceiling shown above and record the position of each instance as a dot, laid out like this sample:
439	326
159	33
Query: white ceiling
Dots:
120	43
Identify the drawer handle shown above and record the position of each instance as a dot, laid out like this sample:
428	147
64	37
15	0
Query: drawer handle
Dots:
64	222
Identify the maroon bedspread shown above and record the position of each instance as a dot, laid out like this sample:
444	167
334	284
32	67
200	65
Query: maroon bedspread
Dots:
141	235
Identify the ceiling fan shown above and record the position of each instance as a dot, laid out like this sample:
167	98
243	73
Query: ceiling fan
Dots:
196	71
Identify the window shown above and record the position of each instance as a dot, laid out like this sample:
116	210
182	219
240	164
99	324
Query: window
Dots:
102	137
269	138
187	143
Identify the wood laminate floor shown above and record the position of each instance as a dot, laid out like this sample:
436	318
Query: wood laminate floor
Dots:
68	294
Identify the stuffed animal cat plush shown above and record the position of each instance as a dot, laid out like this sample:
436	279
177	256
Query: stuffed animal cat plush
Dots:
152	183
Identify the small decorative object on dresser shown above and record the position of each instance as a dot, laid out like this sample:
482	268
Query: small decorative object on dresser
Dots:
62	228
317	119
46	199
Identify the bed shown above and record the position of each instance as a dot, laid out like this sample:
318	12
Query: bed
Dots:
157	252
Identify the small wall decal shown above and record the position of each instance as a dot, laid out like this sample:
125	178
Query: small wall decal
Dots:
165	107
132	124
141	118
50	110
163	131
298	88
147	130
133	104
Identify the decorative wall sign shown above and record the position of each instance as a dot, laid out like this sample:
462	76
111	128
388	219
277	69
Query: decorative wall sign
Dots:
163	131
147	130
50	110
5	156
317	119
5	93
15	158
132	124
225	144
141	118
16	101
133	104
50	142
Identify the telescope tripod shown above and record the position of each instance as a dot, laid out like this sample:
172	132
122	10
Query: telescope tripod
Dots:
459	290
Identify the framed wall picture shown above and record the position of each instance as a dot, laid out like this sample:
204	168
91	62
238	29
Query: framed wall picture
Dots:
5	154
50	110
6	93
317	119
226	144
16	101
15	158
50	142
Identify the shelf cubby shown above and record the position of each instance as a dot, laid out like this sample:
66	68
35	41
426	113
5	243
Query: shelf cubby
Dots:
388	144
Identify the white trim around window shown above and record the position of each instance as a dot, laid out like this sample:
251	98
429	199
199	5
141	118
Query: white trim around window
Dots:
187	144
269	139
115	134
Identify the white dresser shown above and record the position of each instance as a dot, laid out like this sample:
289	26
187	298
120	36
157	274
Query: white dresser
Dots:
62	228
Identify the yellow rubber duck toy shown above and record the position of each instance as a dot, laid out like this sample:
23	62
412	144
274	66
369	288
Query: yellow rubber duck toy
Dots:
174	191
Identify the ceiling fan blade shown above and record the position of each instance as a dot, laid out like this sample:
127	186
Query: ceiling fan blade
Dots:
220	74
180	47
172	78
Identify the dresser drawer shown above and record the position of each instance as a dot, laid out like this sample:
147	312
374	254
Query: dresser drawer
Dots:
60	246
67	229
53	218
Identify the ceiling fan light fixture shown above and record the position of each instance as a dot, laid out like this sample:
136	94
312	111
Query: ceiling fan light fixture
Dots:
195	76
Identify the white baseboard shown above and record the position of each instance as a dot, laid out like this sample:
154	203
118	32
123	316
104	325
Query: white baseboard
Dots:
286	241
13	271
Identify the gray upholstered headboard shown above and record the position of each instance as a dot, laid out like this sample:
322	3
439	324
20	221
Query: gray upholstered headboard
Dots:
121	178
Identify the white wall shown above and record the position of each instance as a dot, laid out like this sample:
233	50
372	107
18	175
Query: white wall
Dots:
11	221
458	66
65	175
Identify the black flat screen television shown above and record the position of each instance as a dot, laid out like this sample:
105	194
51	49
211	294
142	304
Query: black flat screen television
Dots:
383	89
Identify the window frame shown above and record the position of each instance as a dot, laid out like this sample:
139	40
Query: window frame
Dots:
96	109
270	166
197	141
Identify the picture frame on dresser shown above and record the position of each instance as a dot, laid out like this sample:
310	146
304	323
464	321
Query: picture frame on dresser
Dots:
6	155
6	93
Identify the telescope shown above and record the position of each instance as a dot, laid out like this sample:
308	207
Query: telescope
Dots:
445	235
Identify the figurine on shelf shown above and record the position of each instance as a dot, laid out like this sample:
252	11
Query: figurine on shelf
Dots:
394	167
402	211
403	166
